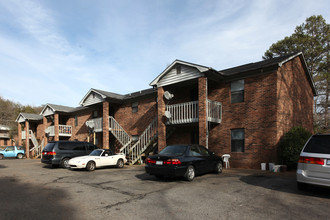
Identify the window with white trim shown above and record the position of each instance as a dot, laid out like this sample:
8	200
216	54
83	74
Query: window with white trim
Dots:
237	91
237	140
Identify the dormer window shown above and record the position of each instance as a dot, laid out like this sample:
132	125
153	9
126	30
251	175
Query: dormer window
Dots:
178	69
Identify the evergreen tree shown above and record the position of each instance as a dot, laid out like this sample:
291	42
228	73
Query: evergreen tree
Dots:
312	38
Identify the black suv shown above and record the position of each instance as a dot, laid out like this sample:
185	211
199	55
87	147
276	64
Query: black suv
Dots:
60	152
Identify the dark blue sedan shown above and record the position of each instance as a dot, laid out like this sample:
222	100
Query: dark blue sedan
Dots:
183	160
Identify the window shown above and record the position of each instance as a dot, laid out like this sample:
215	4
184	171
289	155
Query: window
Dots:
5	142
95	114
178	69
135	137
237	140
75	120
135	107
237	91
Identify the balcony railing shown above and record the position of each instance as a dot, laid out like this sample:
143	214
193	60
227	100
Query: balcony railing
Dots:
63	130
183	113
96	124
188	112
24	134
4	135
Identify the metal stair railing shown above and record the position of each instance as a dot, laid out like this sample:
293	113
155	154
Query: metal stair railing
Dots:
36	150
145	139
122	136
33	138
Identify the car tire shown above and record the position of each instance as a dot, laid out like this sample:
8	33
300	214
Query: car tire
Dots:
1	156
90	166
120	163
19	156
190	173
218	167
65	163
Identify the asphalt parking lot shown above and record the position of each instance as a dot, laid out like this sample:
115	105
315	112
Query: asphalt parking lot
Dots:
31	190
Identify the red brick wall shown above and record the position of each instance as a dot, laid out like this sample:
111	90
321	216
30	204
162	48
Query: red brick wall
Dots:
257	115
273	104
80	132
135	123
295	98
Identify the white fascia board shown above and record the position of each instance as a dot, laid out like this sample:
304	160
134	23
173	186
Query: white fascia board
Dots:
198	67
44	109
20	118
88	93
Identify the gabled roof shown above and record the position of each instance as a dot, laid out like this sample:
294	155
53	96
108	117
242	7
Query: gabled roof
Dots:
247	69
60	109
4	128
28	116
202	69
277	61
105	95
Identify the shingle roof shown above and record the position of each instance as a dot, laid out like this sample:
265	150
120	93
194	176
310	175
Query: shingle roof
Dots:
4	128
66	109
257	65
127	96
31	116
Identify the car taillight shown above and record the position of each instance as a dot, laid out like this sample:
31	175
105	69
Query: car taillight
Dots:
311	160
172	161
49	153
150	160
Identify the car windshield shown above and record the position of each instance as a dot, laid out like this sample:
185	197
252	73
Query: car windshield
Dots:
318	144
96	153
174	150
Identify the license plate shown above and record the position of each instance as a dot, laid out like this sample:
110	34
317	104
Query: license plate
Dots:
328	162
159	162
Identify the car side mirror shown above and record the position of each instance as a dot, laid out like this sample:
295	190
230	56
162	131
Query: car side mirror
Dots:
106	155
212	153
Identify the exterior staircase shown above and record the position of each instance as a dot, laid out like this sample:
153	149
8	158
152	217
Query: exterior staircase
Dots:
144	141
133	151
37	149
122	136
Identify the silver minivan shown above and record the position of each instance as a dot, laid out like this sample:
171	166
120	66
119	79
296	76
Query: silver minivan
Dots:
314	162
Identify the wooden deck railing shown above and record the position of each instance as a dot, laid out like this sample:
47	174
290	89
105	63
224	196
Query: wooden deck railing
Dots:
187	112
63	130
182	113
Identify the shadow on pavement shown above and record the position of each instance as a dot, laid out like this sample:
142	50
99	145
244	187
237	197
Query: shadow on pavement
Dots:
28	201
284	184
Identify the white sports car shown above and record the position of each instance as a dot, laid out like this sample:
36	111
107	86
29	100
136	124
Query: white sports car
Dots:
98	158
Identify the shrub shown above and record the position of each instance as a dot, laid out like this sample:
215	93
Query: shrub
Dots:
291	145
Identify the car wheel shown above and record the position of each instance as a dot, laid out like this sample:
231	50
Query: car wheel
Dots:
218	168
120	163
65	163
90	166
190	173
1	156
19	156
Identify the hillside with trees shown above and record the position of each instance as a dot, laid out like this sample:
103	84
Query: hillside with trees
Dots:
9	111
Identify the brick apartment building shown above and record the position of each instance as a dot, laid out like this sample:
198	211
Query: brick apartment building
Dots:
241	111
5	139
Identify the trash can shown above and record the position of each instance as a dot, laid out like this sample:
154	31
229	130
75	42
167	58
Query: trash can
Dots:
263	166
271	166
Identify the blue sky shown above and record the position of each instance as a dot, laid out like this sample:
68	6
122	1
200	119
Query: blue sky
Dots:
55	51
